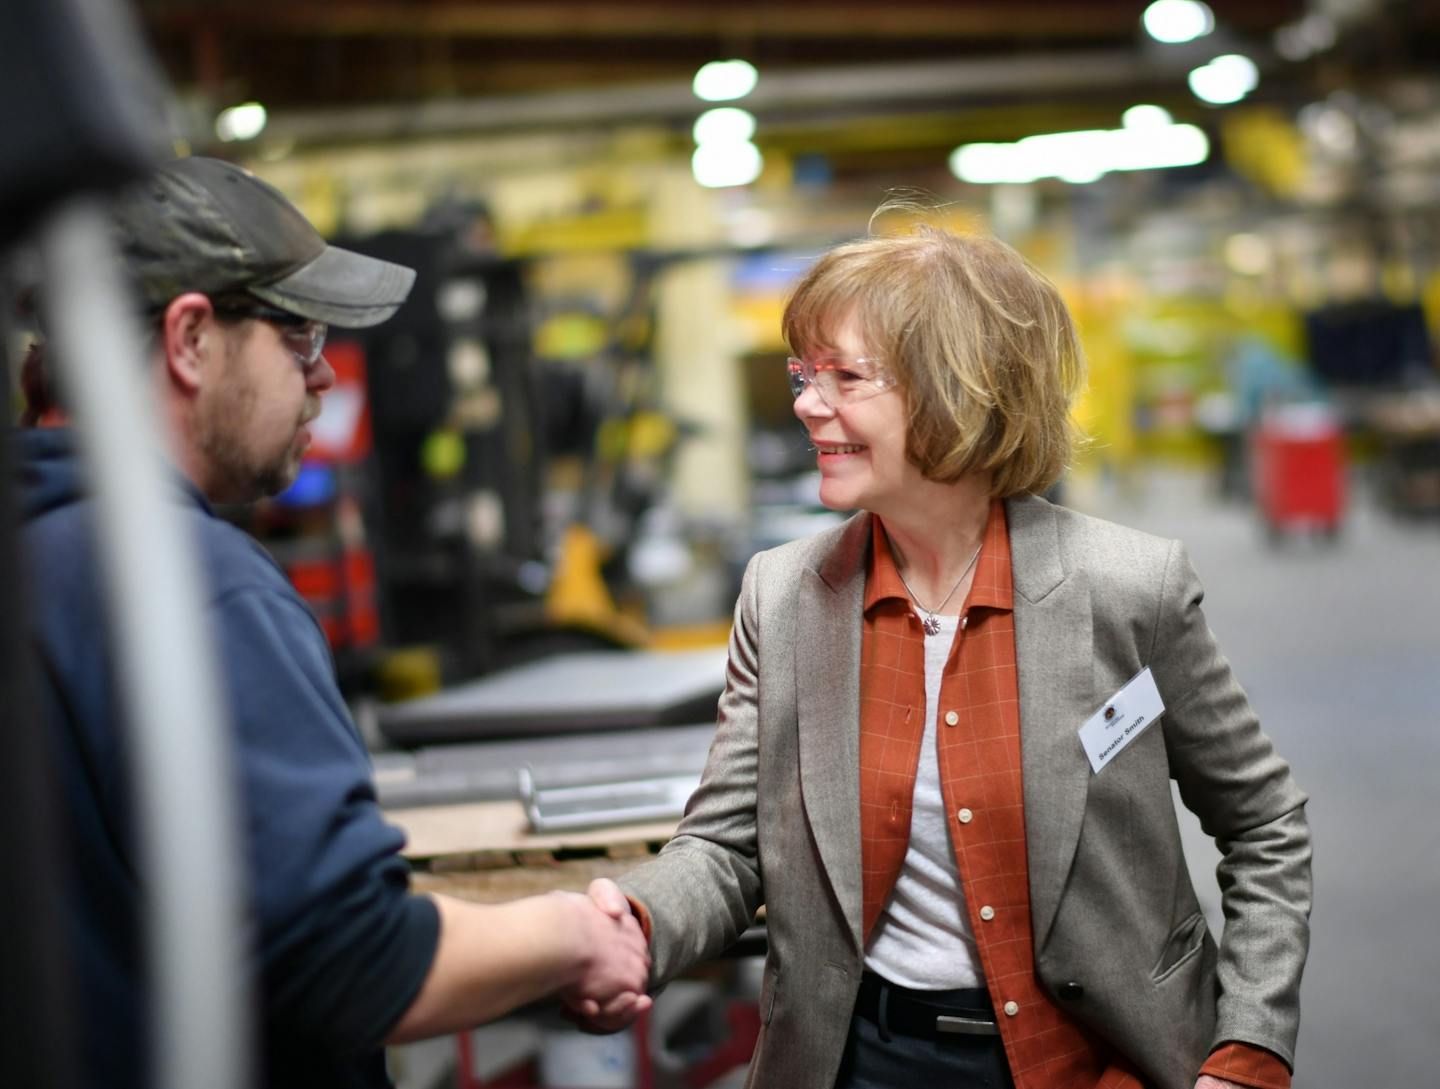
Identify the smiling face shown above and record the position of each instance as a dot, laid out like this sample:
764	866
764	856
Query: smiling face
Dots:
985	353
860	446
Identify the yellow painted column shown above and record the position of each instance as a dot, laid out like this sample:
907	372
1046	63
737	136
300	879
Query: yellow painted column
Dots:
698	350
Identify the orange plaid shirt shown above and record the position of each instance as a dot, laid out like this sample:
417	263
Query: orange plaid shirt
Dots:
978	755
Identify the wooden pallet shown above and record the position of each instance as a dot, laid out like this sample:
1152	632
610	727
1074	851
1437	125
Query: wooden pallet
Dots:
485	851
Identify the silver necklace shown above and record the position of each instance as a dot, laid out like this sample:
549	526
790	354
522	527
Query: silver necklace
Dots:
930	622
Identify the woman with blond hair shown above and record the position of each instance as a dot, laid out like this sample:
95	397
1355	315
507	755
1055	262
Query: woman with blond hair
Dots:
950	725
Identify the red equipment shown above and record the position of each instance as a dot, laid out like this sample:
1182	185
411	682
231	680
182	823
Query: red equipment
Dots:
1299	470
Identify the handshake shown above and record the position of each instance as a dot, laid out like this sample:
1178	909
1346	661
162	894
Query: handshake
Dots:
613	961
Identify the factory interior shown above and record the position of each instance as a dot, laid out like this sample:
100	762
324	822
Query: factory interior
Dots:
527	507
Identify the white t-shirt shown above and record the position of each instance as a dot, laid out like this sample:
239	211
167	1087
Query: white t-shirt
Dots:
922	938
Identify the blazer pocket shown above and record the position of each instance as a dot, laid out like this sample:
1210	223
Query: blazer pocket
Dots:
1184	942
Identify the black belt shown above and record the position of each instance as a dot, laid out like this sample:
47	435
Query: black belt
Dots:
925	1013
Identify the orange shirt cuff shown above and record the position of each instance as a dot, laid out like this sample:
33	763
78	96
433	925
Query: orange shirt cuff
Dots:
1248	1064
642	915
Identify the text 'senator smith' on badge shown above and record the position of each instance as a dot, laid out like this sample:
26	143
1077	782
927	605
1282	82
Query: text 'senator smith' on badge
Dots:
1121	719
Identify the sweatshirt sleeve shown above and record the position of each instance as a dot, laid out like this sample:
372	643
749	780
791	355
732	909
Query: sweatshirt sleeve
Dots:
343	946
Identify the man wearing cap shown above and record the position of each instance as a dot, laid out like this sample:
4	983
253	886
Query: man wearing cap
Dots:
238	289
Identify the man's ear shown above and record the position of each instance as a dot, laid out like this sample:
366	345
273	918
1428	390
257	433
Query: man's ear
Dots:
188	333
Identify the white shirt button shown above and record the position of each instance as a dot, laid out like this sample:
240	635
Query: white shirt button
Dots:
1011	1009
965	816
951	718
987	913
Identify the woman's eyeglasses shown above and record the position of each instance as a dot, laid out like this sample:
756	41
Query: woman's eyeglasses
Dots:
838	379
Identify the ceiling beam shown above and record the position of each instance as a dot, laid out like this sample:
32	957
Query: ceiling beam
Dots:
732	22
953	83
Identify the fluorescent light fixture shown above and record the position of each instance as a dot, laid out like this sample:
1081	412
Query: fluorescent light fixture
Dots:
1146	117
1080	157
1238	68
1212	87
723	81
1226	79
717	165
722	124
1174	21
243	122
1082	171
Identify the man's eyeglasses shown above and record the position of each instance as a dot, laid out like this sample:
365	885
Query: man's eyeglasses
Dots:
839	379
304	338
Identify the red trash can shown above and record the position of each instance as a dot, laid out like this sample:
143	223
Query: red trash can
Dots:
1299	470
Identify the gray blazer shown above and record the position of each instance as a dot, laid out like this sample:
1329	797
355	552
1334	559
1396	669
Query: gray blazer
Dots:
776	818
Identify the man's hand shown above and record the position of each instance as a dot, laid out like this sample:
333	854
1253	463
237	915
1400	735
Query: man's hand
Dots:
1209	1081
611	990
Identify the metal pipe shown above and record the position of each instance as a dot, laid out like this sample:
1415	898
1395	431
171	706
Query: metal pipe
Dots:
960	82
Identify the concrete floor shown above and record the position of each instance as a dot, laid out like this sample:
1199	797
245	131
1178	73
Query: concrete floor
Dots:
1339	650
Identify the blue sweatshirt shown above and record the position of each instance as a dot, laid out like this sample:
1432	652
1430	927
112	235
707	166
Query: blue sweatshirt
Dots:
340	946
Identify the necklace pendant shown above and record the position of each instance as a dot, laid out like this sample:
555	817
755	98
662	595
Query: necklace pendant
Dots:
931	625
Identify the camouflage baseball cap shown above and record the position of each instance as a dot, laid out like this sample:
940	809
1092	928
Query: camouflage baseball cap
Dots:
205	225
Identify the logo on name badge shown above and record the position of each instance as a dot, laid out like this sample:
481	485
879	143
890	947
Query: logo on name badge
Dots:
1109	713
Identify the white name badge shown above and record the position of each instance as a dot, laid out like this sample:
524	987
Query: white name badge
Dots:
1122	719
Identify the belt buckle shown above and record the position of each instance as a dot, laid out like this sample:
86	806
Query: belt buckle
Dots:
965	1026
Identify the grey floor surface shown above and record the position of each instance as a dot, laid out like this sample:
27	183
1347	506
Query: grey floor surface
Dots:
1339	650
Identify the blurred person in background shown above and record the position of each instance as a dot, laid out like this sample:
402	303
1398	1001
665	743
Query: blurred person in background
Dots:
953	895
240	290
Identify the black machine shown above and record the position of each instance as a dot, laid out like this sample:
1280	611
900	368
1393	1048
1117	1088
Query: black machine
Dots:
1374	344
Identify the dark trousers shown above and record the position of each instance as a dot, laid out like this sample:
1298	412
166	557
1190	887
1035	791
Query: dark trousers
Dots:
879	1057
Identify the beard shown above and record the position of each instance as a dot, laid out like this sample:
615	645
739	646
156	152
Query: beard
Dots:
239	473
243	462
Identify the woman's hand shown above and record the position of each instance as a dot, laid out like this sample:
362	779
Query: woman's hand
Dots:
610	1008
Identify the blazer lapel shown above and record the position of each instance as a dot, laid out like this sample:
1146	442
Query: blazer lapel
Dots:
827	688
1054	654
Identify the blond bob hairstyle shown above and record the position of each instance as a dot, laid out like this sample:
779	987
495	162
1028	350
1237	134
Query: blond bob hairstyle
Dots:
979	342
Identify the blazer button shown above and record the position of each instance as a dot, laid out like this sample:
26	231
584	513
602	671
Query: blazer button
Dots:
1071	991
